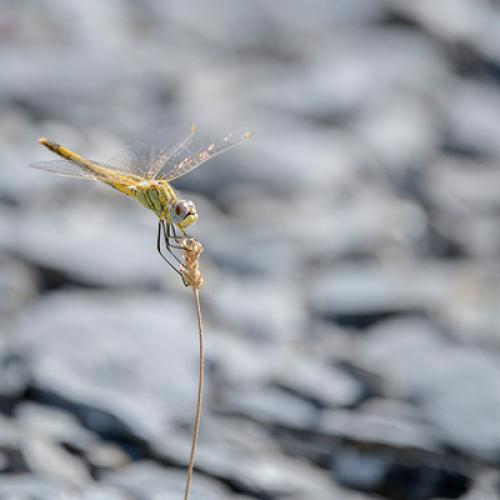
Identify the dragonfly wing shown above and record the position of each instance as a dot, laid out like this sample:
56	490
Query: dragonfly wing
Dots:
68	168
65	168
145	158
173	154
173	168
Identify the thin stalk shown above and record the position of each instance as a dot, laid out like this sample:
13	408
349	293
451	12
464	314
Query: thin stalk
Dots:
197	417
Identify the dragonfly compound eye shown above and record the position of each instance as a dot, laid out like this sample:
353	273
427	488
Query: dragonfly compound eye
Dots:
184	213
181	210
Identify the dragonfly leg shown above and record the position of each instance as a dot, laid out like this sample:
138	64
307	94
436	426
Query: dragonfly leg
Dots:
168	244
158	247
174	232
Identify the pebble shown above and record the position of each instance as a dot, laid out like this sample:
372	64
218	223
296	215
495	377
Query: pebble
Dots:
101	374
454	384
359	295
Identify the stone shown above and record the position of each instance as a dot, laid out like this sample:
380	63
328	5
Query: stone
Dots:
237	361
263	475
455	384
486	487
244	455
26	451
359	295
124	364
376	430
270	406
464	189
149	481
349	74
326	386
452	21
400	131
274	315
53	423
21	486
252	255
471	110
412	479
56	244
18	285
15	376
46	459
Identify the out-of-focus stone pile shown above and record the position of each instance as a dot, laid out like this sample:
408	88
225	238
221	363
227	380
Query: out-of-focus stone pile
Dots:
352	290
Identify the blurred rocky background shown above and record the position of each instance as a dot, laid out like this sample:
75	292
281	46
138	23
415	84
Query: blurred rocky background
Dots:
352	281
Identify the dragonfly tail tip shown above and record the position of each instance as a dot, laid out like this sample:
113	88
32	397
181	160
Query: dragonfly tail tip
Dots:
53	146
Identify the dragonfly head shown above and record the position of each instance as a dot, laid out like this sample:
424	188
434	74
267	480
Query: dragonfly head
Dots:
183	213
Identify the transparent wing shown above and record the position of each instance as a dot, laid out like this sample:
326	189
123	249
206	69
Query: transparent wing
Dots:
187	159
145	158
152	159
69	168
65	168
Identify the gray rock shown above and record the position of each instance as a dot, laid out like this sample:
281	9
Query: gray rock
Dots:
18	285
106	457
27	451
106	253
334	491
236	434
99	491
455	384
11	439
359	295
399	131
340	209
486	487
238	361
264	475
15	376
244	455
60	427
367	429
471	111
463	196
25	487
321	15
414	479
124	364
463	185
270	406
453	21
4	462
324	385
255	255
46	459
275	315
149	481
350	73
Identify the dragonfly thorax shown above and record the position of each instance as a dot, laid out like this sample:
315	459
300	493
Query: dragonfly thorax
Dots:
160	198
157	196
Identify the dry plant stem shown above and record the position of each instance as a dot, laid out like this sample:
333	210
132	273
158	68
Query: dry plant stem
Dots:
193	277
196	428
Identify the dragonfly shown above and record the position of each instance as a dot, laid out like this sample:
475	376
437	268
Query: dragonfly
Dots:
144	171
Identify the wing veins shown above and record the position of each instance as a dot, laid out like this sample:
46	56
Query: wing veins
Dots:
193	161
